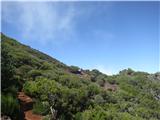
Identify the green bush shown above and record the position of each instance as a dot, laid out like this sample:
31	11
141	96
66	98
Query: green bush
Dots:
46	66
41	108
74	69
34	73
9	106
8	68
30	88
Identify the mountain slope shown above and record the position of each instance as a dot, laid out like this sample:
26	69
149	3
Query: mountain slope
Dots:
68	92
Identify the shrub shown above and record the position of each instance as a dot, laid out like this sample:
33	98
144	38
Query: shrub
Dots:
46	66
74	69
98	99
9	106
34	73
30	88
7	65
41	108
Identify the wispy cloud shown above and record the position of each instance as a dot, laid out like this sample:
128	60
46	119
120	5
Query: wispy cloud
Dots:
40	21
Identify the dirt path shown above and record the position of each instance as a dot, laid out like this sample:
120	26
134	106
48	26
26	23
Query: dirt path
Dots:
26	104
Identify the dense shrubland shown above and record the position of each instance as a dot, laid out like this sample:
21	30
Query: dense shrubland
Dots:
66	93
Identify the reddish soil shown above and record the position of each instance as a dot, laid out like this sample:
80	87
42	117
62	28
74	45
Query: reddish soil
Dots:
30	116
26	104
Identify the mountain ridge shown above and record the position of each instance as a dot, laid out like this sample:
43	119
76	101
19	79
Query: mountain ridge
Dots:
71	93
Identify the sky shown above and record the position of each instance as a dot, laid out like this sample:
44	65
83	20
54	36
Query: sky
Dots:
108	36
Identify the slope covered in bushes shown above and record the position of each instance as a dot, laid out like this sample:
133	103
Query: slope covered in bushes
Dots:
70	93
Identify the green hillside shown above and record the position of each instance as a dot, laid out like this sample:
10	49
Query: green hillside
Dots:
64	92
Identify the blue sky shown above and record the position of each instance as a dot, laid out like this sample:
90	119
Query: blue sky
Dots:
109	36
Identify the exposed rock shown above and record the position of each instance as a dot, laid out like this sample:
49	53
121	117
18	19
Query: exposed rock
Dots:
111	87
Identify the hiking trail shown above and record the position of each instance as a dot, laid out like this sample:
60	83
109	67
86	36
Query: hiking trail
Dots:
26	106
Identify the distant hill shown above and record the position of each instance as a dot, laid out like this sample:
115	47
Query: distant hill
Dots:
71	93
